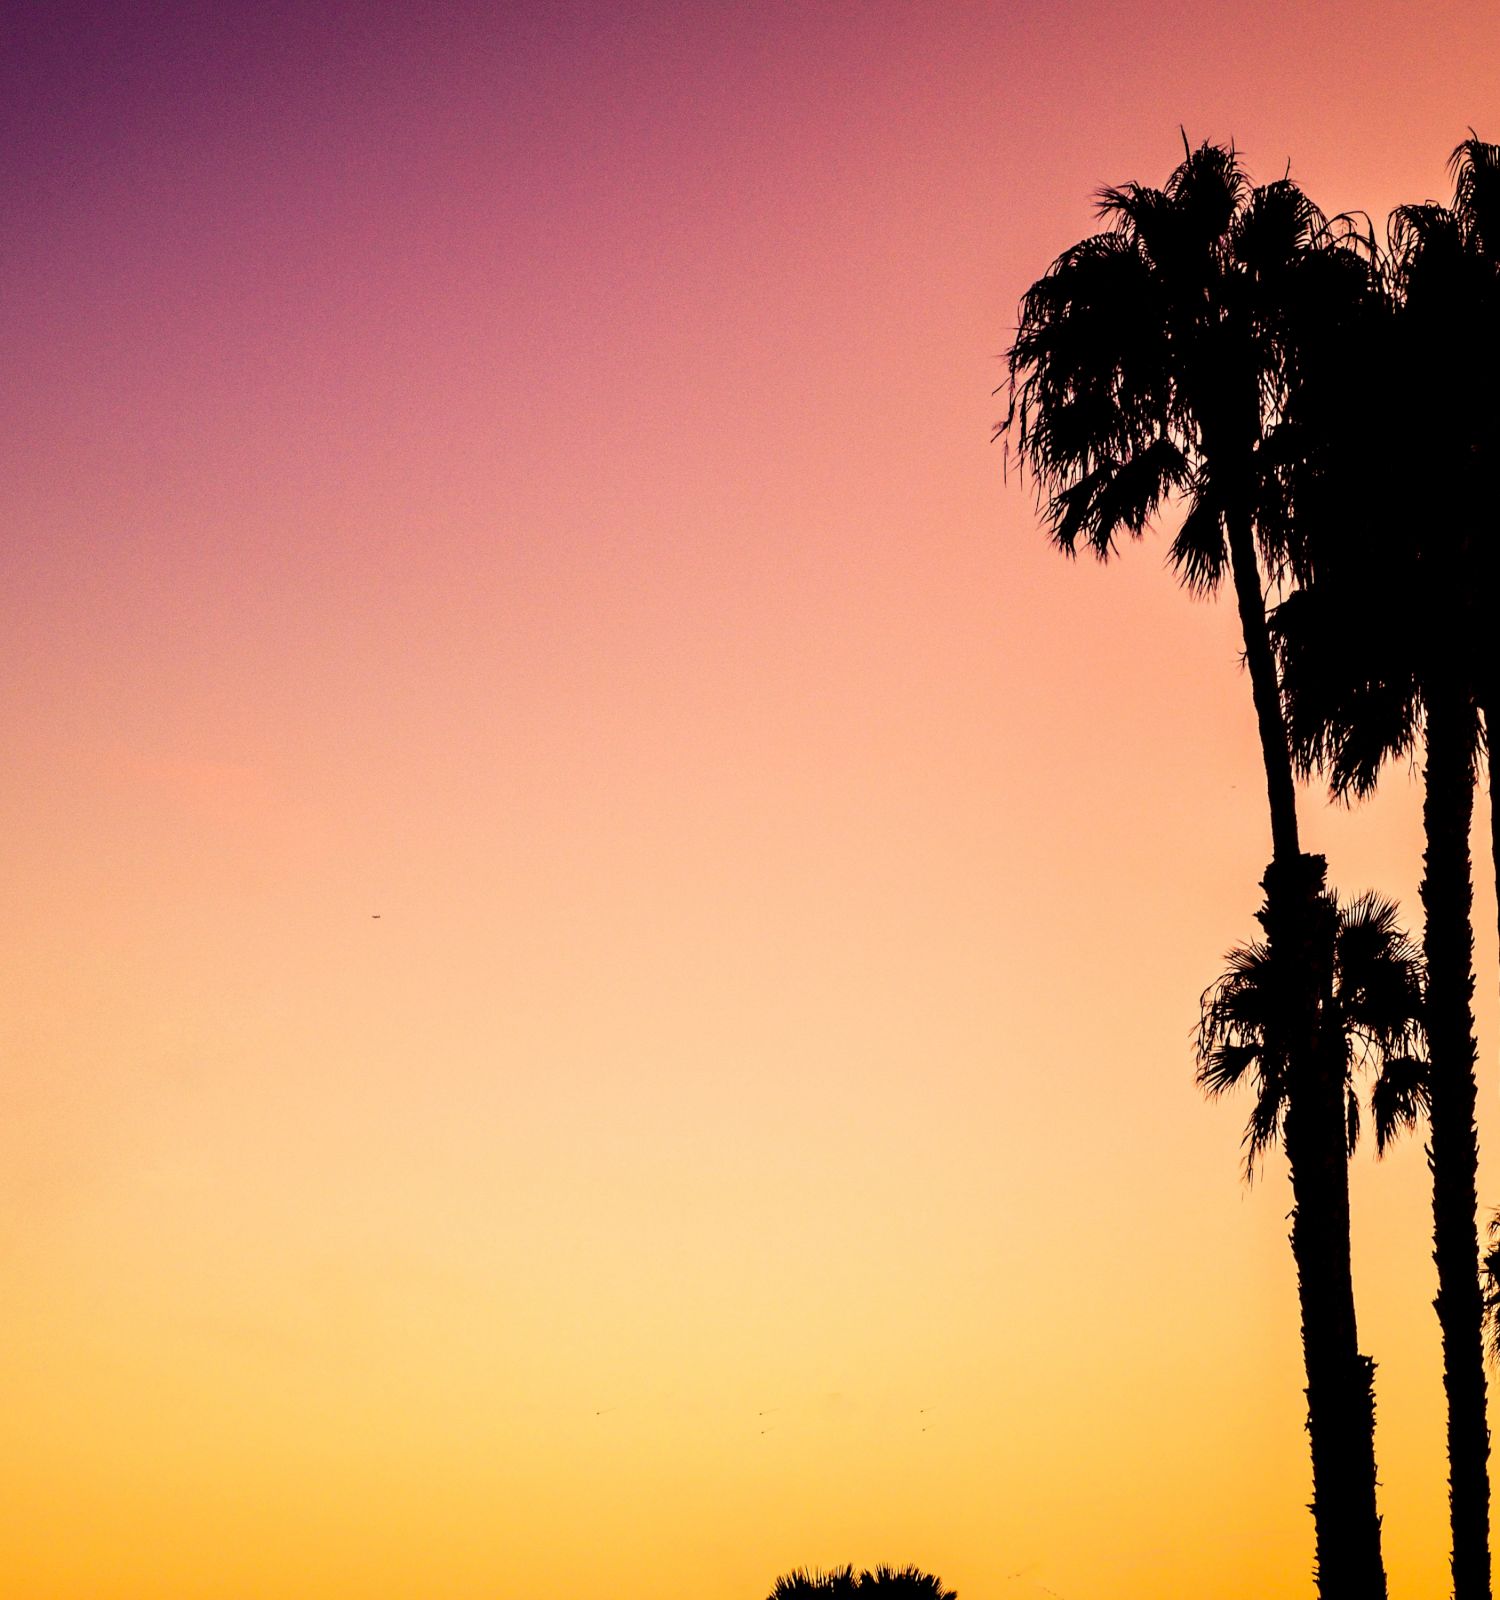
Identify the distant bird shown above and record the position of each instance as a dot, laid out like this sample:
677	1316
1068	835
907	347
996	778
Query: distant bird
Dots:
374	916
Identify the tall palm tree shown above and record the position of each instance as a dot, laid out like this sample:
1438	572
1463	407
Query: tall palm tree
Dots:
1154	362
1468	359
1472	361
1397	538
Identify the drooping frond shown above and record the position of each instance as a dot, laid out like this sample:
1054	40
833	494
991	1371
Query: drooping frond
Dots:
1475	169
1244	998
1350	692
1424	237
1199	554
1400	1097
1239	1042
1116	495
1490	1284
1274	230
1208	187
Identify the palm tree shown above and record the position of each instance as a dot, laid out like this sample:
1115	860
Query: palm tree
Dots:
1397	539
1471	362
1154	362
1372	1020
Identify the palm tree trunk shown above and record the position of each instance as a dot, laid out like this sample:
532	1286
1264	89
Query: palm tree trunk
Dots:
1447	899
1298	920
1340	1380
1265	690
1492	738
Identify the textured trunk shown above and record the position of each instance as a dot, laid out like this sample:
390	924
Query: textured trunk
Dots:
1298	920
1265	689
1299	924
1340	1381
1492	736
1447	900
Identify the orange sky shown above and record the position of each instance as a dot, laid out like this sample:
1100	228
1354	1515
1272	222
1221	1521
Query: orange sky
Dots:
523	471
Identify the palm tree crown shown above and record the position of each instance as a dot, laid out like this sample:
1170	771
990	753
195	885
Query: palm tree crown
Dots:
1154	358
1371	1020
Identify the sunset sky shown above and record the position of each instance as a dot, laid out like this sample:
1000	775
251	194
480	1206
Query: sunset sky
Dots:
601	942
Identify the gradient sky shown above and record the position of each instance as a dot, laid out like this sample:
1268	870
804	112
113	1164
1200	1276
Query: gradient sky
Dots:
524	471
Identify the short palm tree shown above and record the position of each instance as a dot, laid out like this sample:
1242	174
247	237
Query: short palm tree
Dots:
1155	362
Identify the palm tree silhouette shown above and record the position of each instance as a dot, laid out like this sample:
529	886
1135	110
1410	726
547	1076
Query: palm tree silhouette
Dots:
1400	538
1372	1020
841	1583
1475	166
1154	362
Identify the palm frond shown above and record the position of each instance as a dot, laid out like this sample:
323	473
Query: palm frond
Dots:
1199	554
1400	1098
1277	225
1381	975
1475	169
809	1583
904	1583
1489	1274
1350	694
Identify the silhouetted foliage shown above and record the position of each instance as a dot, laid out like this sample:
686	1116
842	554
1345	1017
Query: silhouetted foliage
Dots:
1388	650
1490	1275
879	1583
1371	1020
803	1583
1161	361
